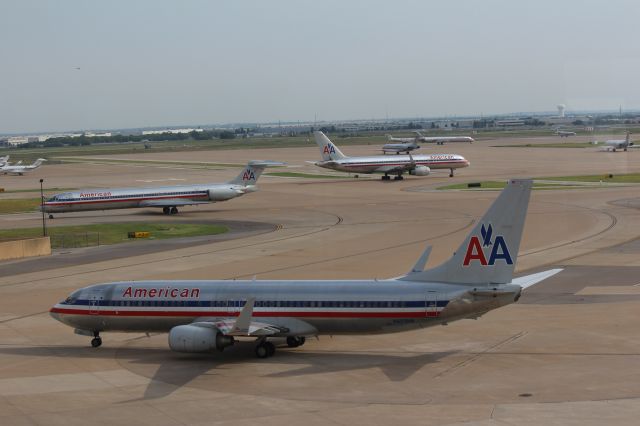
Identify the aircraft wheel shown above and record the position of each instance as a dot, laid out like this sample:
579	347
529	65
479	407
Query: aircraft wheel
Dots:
451	174
96	342
166	210
271	348
399	177
386	177
262	351
294	342
50	216
174	210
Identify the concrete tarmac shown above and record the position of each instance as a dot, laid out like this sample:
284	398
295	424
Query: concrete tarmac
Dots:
567	353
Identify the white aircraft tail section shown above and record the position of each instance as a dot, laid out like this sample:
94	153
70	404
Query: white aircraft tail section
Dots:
328	149
251	173
37	163
488	254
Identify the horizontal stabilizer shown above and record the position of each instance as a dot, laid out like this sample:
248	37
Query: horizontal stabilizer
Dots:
529	280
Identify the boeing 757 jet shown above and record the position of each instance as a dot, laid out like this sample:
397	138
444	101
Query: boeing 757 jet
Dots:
169	198
418	165
203	316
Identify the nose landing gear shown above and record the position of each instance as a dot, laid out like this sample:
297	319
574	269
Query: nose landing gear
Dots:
97	340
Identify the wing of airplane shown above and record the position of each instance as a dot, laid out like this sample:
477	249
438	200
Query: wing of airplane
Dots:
243	325
393	169
171	202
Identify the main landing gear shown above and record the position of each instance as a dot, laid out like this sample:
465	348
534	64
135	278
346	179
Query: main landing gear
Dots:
387	177
450	172
97	340
170	210
265	349
295	341
50	216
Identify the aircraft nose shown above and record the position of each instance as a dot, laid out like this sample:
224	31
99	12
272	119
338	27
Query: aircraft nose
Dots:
55	315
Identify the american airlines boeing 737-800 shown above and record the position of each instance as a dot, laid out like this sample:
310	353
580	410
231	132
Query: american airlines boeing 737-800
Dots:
203	316
418	165
169	198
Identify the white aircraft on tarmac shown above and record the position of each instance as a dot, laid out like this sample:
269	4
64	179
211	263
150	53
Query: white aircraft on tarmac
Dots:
202	316
19	169
419	165
564	133
169	198
623	144
402	144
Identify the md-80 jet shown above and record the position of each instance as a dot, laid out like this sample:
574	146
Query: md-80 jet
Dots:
418	165
203	316
19	169
623	144
168	198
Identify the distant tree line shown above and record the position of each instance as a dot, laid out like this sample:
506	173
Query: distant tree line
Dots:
84	140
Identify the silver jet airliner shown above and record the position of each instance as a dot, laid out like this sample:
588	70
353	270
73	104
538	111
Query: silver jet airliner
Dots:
169	198
203	316
418	165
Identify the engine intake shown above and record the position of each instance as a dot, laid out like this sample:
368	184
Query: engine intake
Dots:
420	171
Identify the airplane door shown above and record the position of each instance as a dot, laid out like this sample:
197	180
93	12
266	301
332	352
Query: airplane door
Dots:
431	304
95	297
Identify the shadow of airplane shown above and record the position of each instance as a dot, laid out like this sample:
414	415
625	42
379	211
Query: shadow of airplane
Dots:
176	370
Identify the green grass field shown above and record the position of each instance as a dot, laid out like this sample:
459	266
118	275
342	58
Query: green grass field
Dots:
19	205
114	233
550	145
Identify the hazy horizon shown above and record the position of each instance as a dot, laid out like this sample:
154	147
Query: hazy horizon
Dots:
154	63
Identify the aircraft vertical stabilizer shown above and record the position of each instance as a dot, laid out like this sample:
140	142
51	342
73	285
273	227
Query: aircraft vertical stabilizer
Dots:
328	149
250	174
488	254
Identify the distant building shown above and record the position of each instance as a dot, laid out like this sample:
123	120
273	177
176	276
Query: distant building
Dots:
510	123
174	131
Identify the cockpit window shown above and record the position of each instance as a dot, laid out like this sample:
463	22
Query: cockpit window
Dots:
60	197
72	299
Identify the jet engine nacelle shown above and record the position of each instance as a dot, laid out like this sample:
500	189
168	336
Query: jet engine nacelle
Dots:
191	338
223	193
420	171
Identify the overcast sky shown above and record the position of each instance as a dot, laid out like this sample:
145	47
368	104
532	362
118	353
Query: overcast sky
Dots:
154	63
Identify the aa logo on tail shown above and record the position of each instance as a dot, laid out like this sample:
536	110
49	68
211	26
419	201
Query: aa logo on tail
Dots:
477	250
248	175
329	149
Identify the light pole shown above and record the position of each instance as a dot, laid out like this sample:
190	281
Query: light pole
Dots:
44	226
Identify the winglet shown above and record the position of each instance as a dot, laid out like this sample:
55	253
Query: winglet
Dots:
422	261
244	319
